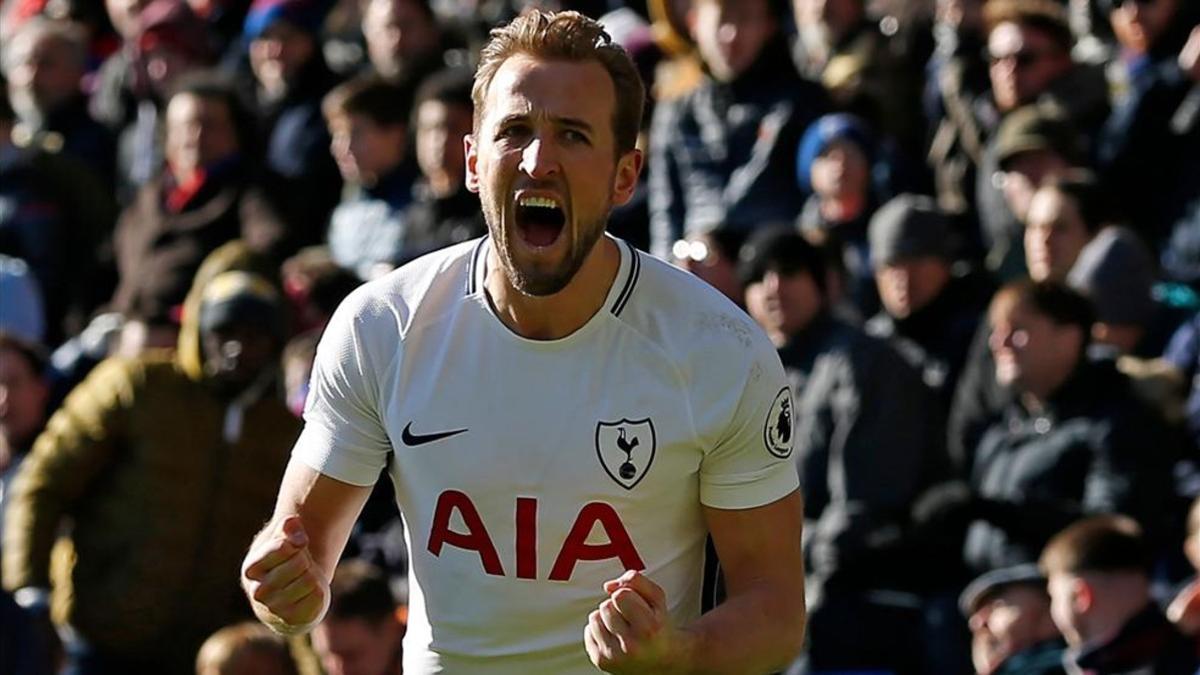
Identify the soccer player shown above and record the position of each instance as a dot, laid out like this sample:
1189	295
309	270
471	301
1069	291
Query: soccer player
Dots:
567	418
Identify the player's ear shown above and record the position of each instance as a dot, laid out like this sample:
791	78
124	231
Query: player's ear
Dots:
472	160
629	167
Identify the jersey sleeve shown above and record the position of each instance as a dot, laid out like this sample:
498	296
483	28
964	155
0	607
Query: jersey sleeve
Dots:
344	436
751	463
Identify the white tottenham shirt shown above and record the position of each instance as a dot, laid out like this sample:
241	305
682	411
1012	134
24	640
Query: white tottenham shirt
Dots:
529	472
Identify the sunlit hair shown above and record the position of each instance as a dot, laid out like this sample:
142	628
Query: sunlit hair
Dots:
566	36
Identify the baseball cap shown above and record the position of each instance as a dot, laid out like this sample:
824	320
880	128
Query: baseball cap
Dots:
1033	128
989	583
908	226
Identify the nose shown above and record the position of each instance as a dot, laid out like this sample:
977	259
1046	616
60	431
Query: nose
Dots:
537	159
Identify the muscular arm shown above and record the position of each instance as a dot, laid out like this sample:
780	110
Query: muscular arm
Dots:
760	626
286	575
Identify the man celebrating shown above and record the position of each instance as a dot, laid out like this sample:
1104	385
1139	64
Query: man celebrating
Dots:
568	418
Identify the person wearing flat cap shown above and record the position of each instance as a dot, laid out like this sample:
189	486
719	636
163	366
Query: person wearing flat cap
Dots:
1012	632
166	464
930	310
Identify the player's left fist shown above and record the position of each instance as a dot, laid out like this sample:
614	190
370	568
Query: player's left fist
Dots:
630	631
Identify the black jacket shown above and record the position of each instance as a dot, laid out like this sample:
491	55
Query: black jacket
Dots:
1095	448
1147	643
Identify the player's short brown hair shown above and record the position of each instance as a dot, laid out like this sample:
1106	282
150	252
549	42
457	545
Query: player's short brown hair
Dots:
1107	543
566	36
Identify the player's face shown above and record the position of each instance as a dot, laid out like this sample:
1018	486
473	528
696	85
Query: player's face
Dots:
545	166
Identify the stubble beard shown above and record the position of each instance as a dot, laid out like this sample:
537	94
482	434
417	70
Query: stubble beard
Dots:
535	281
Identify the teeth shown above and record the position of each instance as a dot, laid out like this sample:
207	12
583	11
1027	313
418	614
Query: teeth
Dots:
538	202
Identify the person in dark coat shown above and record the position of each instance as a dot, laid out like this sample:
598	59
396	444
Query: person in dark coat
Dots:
205	196
1098	572
291	78
929	312
866	445
724	154
1076	438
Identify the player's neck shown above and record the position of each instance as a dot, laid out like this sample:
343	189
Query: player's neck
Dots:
555	316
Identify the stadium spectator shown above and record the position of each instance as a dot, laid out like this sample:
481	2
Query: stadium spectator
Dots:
1029	44
368	123
160	518
959	110
836	162
56	217
44	64
1098	573
405	41
362	630
1063	217
855	391
204	196
1012	632
290	80
315	285
930	313
443	210
245	649
167	41
1155	123
724	153
1115	271
557	109
1072	441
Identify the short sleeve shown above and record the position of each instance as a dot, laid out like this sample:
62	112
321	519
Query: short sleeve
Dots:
344	436
751	464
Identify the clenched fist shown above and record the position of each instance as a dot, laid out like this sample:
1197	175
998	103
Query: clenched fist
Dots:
630	632
287	589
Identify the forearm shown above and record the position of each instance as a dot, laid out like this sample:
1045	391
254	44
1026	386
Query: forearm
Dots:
760	630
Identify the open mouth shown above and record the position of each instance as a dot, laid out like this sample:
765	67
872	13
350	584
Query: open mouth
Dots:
540	220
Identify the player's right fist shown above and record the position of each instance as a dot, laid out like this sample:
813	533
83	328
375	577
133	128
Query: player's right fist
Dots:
287	589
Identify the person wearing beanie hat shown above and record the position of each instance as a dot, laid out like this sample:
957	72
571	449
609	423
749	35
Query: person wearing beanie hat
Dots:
1116	271
834	165
929	310
857	391
291	77
1012	632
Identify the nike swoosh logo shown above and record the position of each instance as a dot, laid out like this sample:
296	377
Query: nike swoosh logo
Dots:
410	438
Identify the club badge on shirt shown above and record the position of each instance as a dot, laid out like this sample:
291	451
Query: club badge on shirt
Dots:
626	449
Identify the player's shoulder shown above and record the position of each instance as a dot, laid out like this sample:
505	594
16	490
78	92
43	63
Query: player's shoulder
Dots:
427	284
688	317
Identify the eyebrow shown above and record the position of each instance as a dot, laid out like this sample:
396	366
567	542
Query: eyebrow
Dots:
572	122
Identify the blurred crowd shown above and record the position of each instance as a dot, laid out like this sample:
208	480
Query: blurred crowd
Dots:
970	227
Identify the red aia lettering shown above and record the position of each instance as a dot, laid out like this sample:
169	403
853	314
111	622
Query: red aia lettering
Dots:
476	537
574	549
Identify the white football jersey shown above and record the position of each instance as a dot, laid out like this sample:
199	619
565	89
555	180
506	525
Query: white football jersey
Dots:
529	472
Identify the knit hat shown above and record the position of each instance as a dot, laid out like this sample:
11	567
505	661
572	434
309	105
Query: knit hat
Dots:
306	15
908	226
1116	271
824	132
241	298
989	583
1033	128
